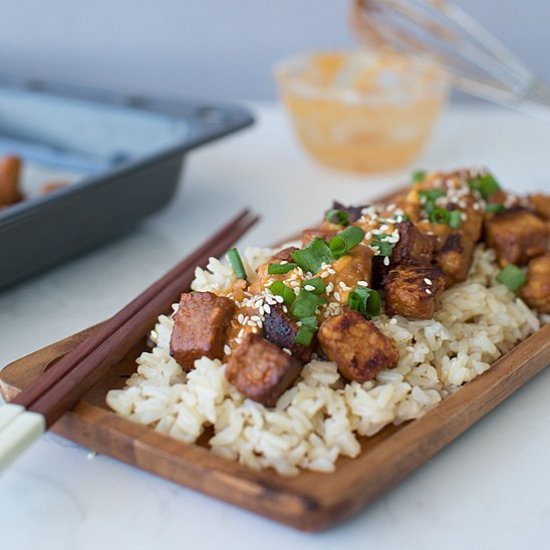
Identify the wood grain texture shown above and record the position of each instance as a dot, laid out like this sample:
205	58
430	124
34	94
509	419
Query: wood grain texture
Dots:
60	388
310	501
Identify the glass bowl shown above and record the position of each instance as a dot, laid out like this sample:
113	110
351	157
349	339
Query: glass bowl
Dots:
362	111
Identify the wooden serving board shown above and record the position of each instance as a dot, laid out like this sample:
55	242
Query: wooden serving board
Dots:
309	501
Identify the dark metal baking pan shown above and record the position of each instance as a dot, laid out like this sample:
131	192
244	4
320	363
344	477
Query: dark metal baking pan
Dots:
125	153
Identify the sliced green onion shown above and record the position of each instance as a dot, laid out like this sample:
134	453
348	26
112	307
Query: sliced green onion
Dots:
340	217
307	331
431	195
486	185
280	269
385	248
317	283
278	288
512	277
495	208
455	219
313	256
236	263
366	301
440	215
346	240
306	304
418	176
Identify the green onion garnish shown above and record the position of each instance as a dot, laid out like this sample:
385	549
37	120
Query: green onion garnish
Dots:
280	269
346	240
418	176
340	217
431	195
317	283
307	331
385	248
512	277
366	301
486	185
455	219
440	215
495	208
306	304
278	288
313	256
236	263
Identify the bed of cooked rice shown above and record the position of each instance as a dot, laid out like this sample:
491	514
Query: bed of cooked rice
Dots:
321	416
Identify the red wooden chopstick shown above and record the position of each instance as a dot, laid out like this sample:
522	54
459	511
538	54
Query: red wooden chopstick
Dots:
230	232
60	387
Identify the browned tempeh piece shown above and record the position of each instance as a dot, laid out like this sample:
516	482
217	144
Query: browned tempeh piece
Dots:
517	235
456	256
536	291
357	346
262	371
280	329
413	292
200	327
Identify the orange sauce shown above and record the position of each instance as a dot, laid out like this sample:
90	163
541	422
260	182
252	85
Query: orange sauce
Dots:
362	113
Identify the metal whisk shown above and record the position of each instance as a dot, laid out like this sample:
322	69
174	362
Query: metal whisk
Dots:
477	62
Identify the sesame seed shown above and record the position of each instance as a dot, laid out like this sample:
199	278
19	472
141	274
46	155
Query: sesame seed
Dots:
285	309
337	296
279	299
286	350
427	281
267	309
255	318
309	288
284	262
240	318
362	283
386	260
428	291
330	288
227	350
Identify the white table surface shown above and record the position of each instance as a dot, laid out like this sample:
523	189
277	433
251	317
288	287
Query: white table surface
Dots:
490	488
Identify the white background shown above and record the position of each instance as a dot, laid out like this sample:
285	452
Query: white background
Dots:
488	490
208	48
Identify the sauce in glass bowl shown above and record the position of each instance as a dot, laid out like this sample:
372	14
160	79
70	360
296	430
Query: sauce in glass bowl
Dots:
362	111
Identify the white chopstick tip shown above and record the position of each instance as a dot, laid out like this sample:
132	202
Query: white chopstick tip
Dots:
8	413
19	434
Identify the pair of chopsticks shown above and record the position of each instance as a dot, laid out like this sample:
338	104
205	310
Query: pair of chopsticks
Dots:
37	407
